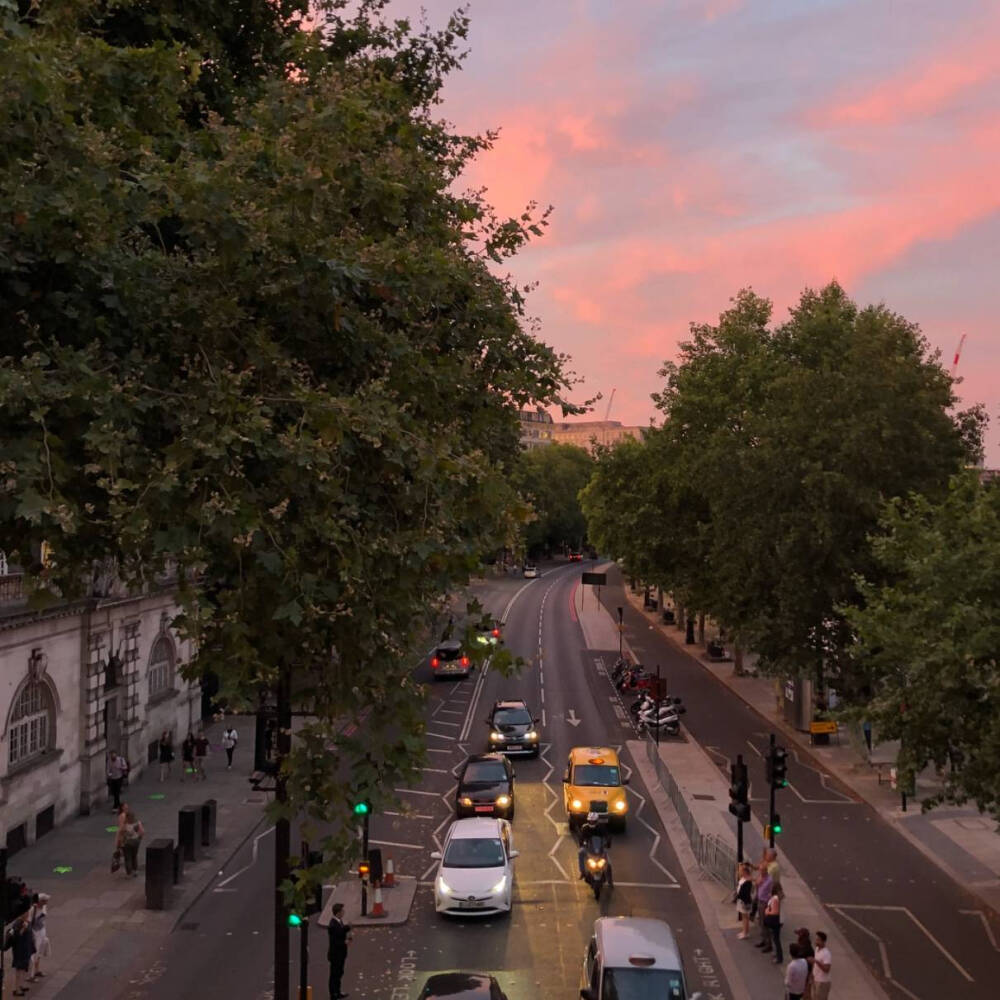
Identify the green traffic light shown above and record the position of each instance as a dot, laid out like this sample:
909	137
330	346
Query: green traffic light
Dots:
361	809
294	920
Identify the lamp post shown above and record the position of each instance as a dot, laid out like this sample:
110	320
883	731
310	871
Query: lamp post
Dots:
621	630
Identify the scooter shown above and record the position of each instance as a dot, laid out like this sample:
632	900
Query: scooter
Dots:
666	719
642	704
597	866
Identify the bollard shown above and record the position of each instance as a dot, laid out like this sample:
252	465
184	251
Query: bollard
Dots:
189	832
378	910
159	874
208	811
178	863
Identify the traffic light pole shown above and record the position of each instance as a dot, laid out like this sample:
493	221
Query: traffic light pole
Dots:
3	908
739	822
282	839
770	815
304	939
621	630
364	857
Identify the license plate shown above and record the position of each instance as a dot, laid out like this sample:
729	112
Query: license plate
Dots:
484	809
464	905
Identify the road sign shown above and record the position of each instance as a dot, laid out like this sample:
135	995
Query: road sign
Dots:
595	579
823	726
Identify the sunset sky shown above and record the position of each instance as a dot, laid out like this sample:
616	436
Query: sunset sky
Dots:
694	147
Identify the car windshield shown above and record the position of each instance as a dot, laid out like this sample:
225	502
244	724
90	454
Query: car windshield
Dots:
642	984
511	717
596	774
474	852
487	770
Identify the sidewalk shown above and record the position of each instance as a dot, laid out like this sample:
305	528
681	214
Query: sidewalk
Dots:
90	907
705	793
961	841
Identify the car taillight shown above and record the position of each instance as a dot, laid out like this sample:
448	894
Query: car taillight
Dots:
435	662
465	661
496	632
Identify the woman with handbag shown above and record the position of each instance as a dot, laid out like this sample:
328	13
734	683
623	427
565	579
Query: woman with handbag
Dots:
130	834
772	919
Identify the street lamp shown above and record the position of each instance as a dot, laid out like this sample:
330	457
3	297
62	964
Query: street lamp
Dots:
621	630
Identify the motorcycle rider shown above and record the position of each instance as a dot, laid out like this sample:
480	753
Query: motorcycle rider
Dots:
594	828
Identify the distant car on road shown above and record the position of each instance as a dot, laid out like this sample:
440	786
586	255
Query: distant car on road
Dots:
449	659
488	631
462	986
485	787
576	557
512	728
475	875
530	571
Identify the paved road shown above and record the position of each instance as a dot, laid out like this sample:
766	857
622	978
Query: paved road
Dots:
224	946
923	935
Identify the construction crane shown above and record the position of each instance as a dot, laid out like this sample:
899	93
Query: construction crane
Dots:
958	354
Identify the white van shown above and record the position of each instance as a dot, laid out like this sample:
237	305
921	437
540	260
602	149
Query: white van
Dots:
633	958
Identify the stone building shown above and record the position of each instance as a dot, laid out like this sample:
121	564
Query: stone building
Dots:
536	428
77	680
586	433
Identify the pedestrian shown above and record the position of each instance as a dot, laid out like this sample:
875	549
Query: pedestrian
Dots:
340	934
38	914
803	939
744	899
166	749
796	974
761	898
117	771
21	941
821	963
187	756
200	753
772	920
229	740
130	834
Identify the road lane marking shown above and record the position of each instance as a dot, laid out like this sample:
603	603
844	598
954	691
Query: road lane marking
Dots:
253	857
883	953
440	736
434	770
986	926
441	722
476	693
903	909
449	711
417	791
437	750
388	812
395	843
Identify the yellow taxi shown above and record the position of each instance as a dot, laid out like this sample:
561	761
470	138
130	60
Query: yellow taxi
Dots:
593	783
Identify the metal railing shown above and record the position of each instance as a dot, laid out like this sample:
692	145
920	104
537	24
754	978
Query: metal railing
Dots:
714	857
11	587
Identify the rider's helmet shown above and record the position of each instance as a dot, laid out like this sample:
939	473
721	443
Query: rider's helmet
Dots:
592	817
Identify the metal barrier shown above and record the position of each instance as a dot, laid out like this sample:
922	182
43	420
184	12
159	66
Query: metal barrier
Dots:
714	857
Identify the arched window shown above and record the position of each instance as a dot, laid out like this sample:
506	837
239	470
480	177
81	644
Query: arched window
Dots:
161	666
32	723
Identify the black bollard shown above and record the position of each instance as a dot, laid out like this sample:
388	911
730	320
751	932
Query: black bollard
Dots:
189	832
159	874
208	811
689	635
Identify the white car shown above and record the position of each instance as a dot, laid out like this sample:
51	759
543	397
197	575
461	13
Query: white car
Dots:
475	873
530	572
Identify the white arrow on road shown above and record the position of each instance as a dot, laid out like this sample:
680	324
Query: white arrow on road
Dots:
572	719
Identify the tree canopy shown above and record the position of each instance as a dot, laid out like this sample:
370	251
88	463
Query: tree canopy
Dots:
261	348
928	632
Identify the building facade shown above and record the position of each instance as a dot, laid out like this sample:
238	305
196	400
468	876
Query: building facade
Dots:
586	433
536	428
78	680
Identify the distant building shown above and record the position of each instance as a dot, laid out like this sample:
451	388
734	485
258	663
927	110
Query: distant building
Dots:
584	433
536	428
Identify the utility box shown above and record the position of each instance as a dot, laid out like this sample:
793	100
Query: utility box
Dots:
159	874
189	832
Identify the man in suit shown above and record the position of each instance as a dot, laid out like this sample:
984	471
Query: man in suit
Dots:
340	934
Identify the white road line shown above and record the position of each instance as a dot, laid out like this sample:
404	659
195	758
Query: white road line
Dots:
436	750
449	711
647	885
555	860
393	843
441	722
387	812
883	953
417	791
986	925
543	718
434	770
477	691
440	736
903	909
253	858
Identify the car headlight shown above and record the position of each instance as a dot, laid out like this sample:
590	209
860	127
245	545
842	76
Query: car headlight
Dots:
620	806
531	735
503	800
465	801
500	886
595	863
576	804
496	736
443	887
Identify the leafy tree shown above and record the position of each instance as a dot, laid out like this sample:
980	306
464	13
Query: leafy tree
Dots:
927	638
549	479
262	353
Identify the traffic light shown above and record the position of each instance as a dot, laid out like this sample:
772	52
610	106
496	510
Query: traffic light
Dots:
739	791
362	808
364	870
294	920
776	824
776	766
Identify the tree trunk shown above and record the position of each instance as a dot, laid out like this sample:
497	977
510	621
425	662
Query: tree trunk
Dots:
738	661
701	628
680	614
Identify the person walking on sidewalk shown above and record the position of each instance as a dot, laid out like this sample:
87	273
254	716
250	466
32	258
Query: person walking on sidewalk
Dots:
821	963
117	770
187	756
763	895
38	913
744	899
796	974
229	740
166	750
22	943
130	834
200	753
772	921
340	935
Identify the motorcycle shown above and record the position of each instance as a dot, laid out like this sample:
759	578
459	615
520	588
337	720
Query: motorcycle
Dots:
666	719
642	704
596	866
